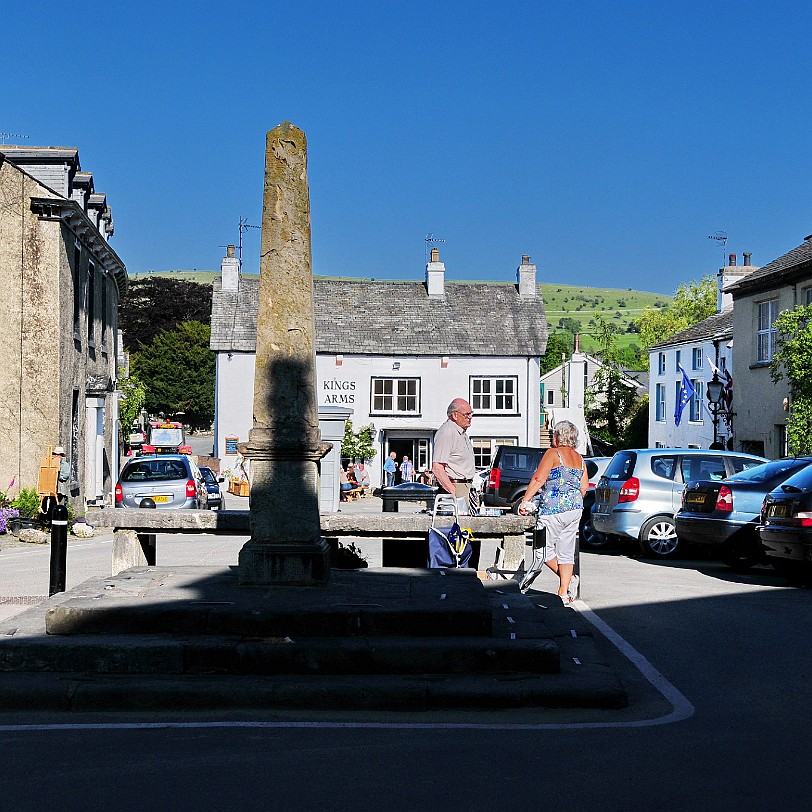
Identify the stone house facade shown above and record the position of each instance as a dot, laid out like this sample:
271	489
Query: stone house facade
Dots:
61	284
396	354
761	405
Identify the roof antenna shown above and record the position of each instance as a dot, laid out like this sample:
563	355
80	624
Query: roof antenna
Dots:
244	224
720	237
430	239
4	135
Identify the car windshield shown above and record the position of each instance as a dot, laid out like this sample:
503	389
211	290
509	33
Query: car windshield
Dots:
154	471
621	466
166	436
208	475
777	469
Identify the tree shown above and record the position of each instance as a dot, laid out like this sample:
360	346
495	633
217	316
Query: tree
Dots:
793	359
178	368
692	303
133	397
558	344
610	399
360	445
156	303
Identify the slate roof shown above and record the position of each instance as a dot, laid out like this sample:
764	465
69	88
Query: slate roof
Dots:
396	318
719	325
798	261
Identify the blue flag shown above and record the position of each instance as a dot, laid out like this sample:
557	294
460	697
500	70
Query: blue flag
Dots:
686	392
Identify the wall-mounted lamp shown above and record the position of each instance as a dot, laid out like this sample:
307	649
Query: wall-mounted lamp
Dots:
396	365
339	360
444	362
230	356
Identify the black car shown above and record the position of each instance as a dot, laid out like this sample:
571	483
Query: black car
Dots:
722	515
786	526
212	487
512	469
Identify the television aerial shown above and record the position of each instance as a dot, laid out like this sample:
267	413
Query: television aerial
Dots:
430	239
720	237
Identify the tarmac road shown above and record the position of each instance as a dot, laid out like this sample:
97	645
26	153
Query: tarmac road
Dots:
730	651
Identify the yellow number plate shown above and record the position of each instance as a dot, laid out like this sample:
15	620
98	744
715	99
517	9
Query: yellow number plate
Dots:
160	498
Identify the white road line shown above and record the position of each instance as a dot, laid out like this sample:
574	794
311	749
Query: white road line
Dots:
682	708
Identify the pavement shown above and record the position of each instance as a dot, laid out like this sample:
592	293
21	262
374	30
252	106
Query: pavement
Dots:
182	638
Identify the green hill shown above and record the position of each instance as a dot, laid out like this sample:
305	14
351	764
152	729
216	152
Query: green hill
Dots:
563	305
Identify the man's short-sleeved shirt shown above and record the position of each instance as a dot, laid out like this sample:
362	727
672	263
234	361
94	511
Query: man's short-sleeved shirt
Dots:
452	448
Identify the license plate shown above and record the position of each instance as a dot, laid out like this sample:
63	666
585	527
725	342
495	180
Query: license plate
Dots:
163	498
695	499
780	511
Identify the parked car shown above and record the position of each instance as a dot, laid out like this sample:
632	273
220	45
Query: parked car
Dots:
641	490
722	515
513	467
215	492
163	481
786	526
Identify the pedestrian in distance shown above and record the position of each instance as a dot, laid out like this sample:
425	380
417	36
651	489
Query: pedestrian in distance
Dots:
453	462
390	467
406	470
63	477
561	481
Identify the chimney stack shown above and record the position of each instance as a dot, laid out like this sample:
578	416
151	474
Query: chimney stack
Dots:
526	277
435	274
230	270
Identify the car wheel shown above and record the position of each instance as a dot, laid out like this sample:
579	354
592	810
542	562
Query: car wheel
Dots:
589	537
658	538
741	554
515	506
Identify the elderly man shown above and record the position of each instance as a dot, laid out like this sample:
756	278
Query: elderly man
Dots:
453	454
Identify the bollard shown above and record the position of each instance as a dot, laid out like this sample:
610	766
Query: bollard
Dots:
59	549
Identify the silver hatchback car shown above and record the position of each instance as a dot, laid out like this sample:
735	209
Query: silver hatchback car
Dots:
163	481
641	490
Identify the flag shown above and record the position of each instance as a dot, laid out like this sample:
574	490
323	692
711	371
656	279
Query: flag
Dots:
728	392
686	392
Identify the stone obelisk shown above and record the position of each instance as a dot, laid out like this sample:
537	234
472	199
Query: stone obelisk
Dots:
284	445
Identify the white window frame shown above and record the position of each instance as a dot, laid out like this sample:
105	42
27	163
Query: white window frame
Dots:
659	401
481	443
485	397
765	330
696	401
396	400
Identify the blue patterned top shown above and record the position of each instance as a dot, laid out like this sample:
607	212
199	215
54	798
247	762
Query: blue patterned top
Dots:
562	490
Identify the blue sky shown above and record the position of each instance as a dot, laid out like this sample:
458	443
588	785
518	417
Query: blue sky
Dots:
606	140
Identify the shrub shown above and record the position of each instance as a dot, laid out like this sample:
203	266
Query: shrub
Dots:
27	503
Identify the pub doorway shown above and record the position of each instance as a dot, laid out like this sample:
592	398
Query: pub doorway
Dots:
416	447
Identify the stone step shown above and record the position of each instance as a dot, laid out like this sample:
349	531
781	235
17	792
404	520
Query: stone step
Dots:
157	654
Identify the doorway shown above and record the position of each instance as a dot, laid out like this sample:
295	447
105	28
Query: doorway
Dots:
416	448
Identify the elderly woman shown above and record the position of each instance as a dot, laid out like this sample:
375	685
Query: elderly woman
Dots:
561	480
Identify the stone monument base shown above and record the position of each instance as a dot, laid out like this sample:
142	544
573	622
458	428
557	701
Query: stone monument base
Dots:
284	564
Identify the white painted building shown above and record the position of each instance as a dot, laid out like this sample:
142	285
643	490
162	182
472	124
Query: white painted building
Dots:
698	350
397	353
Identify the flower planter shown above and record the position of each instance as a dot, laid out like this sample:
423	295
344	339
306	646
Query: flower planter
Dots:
17	523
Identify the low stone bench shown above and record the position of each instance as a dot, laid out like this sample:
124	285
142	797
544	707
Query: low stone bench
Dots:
134	540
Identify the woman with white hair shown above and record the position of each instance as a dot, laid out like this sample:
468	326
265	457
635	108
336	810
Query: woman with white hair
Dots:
562	481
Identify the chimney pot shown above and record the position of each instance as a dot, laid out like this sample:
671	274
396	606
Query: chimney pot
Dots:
525	259
229	250
747	256
731	260
435	254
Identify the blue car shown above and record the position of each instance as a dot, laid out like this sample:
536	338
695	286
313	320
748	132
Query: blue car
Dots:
723	515
213	488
